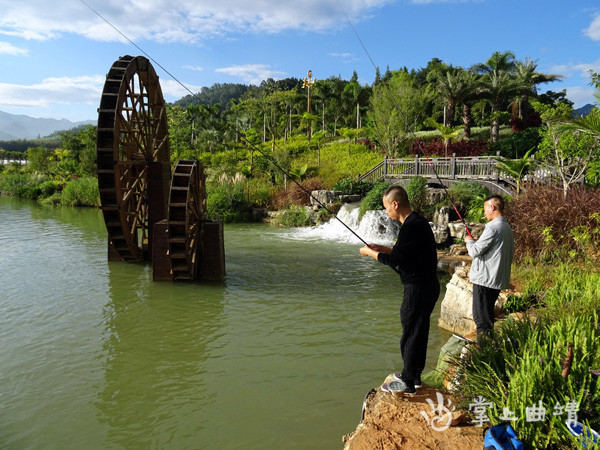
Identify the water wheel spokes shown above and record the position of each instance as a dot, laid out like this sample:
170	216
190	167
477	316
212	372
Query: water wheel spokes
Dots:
185	218
132	156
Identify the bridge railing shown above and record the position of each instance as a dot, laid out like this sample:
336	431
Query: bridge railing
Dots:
473	167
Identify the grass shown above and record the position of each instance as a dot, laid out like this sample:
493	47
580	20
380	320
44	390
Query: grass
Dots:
522	364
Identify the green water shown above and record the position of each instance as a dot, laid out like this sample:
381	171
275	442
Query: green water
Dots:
96	355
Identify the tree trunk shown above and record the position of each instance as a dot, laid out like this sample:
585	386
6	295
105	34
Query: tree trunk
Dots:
467	121
495	129
357	115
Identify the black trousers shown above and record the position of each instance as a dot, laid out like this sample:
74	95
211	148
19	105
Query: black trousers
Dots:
417	305
484	299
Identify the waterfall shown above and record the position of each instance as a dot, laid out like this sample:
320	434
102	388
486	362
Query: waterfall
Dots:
375	226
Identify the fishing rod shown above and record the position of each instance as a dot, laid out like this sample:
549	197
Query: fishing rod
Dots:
411	130
229	125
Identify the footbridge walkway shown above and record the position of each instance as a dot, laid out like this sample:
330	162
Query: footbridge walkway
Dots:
476	169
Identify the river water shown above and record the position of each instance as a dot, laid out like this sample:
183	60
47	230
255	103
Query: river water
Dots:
280	355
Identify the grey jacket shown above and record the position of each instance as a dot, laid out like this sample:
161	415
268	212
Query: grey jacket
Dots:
492	255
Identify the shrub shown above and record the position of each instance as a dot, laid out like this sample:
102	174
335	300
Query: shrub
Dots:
299	196
516	145
550	227
467	195
260	192
373	199
436	147
521	366
81	192
294	217
349	186
228	203
417	192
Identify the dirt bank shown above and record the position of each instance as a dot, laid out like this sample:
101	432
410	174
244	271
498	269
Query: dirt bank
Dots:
397	423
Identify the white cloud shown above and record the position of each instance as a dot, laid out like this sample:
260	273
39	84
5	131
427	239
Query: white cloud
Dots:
593	31
9	49
252	73
581	96
165	21
571	68
72	91
194	68
172	90
66	90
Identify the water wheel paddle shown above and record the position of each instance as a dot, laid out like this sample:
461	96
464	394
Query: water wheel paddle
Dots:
185	218
132	156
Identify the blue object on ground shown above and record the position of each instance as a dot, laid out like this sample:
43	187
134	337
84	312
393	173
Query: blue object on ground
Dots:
502	437
586	435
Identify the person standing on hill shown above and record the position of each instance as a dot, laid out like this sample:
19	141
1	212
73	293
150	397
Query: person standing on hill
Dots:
492	256
414	257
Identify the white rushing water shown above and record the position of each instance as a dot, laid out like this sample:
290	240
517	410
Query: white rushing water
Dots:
375	226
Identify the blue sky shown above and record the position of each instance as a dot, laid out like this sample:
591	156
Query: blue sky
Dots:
54	55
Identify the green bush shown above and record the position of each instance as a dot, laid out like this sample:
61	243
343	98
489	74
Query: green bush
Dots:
294	217
516	145
228	203
81	192
19	184
373	199
417	192
260	192
351	187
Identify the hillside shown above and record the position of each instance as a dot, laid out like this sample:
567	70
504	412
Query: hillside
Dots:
13	127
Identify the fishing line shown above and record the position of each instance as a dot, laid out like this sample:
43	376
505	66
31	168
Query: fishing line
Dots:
405	119
229	125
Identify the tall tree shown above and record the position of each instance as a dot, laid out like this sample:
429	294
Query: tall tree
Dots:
528	78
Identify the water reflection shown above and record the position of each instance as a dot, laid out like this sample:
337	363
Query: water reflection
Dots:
155	353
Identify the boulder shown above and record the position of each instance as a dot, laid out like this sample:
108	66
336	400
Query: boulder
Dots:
457	229
325	197
352	198
456	312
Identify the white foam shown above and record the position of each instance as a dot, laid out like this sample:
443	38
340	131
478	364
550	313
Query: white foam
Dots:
375	227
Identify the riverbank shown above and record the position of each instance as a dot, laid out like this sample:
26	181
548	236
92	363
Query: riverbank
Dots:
392	422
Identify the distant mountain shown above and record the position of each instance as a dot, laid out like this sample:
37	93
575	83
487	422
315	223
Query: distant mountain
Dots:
584	110
14	127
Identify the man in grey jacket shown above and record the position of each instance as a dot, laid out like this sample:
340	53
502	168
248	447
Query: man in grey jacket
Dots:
492	256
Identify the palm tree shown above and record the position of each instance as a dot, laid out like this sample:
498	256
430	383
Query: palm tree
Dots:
528	78
448	133
497	87
467	92
498	62
445	83
516	168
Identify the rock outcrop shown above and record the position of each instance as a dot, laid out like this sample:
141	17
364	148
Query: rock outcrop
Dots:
456	313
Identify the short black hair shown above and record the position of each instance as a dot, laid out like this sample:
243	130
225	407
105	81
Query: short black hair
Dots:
497	200
398	194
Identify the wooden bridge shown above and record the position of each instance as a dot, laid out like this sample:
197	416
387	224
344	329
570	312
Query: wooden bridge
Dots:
476	169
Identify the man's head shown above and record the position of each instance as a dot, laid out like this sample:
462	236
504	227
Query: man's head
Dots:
493	207
396	204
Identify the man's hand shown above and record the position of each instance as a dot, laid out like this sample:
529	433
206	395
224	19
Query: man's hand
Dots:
367	251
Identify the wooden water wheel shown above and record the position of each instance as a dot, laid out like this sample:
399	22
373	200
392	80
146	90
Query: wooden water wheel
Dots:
132	156
185	219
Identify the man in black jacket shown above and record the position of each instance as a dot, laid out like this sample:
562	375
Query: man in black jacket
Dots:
414	257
